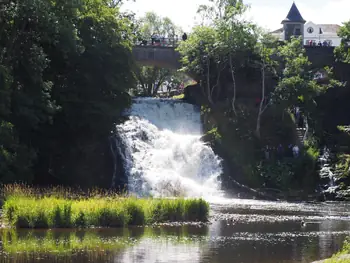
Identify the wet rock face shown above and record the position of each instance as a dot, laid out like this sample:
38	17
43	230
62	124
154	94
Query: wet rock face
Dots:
193	94
119	177
331	179
343	195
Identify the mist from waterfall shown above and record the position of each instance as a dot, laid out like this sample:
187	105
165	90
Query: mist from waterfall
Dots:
162	151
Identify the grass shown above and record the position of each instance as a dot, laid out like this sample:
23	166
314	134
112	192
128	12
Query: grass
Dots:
341	256
179	97
29	208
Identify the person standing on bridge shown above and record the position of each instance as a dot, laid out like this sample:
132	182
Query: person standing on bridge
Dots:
184	37
153	38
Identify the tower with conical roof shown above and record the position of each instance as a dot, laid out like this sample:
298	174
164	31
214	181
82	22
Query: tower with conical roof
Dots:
293	24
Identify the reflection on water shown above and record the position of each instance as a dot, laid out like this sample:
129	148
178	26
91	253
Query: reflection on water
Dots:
246	231
137	244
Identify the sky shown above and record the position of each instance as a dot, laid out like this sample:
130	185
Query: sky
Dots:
266	13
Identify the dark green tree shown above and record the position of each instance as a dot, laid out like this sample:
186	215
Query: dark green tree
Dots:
65	73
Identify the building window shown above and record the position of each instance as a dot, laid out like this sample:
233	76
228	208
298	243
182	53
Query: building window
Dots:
310	30
297	31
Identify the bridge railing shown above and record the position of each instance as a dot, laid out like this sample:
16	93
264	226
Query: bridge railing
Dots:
159	42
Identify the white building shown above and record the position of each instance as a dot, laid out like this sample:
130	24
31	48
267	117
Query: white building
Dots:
294	24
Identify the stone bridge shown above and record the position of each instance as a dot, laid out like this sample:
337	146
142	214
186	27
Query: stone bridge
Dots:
164	57
167	57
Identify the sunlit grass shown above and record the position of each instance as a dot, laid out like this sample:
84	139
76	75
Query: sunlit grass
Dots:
28	210
342	255
179	97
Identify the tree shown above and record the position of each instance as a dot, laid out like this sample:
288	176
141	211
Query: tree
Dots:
220	9
64	73
237	62
197	56
223	45
152	23
152	78
265	48
297	85
237	38
343	52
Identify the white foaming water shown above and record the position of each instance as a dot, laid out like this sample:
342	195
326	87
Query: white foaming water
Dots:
163	153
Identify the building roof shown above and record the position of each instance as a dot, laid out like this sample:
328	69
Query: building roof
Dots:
329	28
280	30
294	15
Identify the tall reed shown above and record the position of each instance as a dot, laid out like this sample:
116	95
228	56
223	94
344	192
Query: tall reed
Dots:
30	210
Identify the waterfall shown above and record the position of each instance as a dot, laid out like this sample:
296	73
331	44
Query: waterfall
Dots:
326	173
326	170
163	152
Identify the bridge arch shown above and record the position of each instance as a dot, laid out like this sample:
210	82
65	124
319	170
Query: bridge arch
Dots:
168	57
165	57
160	56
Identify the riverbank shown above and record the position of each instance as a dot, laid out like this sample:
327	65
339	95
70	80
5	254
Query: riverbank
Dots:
343	256
30	208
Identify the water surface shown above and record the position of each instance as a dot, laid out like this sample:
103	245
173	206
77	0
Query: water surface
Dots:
240	231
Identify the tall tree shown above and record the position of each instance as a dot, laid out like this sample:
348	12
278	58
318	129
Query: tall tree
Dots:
297	85
223	45
64	73
151	78
265	48
343	52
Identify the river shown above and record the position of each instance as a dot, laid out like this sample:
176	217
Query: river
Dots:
163	156
242	231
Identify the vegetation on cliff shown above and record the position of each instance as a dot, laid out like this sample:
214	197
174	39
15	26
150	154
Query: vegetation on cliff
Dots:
251	86
64	73
342	256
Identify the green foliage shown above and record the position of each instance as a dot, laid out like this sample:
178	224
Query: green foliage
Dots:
343	52
151	23
297	86
343	165
239	64
214	134
198	45
312	149
339	257
151	78
179	97
278	175
24	209
64	73
15	159
212	51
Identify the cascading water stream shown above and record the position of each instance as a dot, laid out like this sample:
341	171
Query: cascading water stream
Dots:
163	153
326	170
